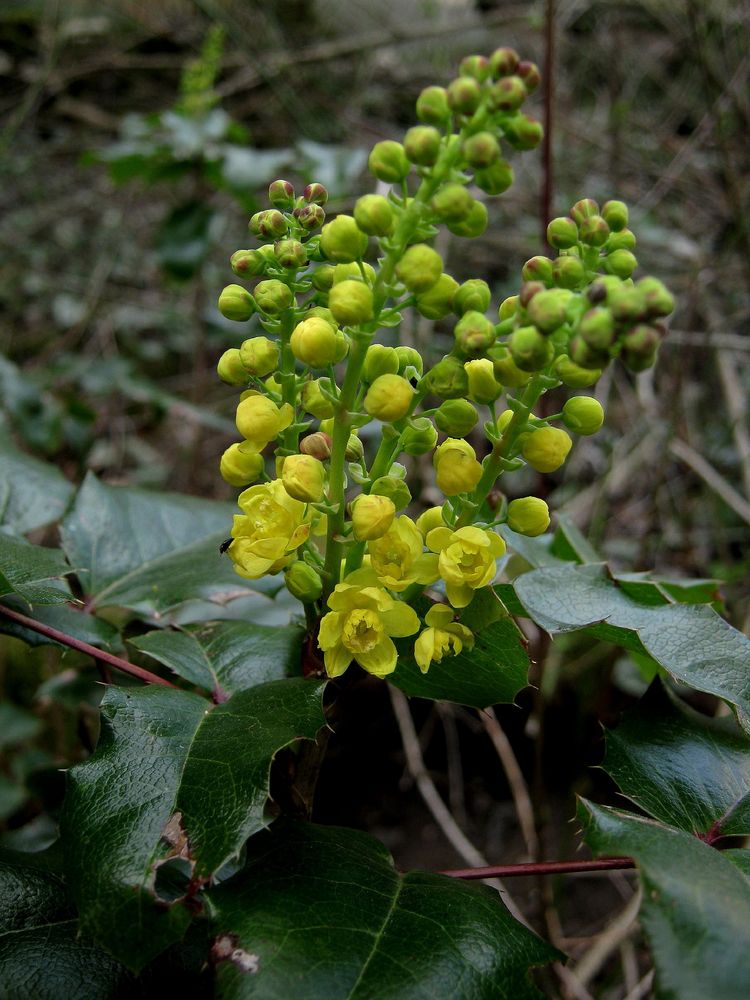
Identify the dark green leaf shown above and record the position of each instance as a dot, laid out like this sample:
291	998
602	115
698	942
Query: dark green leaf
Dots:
172	776
695	909
16	725
321	913
12	796
32	493
534	551
741	857
494	671
184	239
569	544
34	573
684	768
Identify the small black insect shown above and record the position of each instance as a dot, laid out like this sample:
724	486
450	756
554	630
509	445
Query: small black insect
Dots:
225	545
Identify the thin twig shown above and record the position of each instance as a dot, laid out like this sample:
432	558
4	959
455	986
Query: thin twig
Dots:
682	450
547	192
542	868
643	988
736	399
516	781
83	647
608	941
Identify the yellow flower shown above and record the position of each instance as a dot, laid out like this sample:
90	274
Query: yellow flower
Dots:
466	561
303	477
443	637
456	467
397	557
429	519
372	516
360	624
260	420
272	526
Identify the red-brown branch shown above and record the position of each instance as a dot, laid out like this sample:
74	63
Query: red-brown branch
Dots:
84	647
542	868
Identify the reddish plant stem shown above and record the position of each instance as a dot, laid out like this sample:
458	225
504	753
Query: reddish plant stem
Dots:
542	868
545	207
84	647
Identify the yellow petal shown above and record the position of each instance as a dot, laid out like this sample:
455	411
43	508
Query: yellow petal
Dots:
425	568
458	594
497	544
439	616
424	648
330	630
400	620
381	659
438	538
337	659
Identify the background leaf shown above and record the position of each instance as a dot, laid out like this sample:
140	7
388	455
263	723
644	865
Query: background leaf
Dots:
32	572
32	493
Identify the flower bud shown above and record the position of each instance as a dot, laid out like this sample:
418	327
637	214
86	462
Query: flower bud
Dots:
528	516
529	73
422	145
290	254
303	582
658	299
584	355
574	375
627	304
343	272
419	437
388	162
538	269
429	520
456	417
419	268
321	312
496	179
472	225
522	132
259	356
476	66
304	478
394	489
316	343
597	327
562	233
408	357
583	414
351	302
389	398
464	95
432	105
374	215
621	263
452	203
315	194
272	386
322	277
503	62
318	445
315	402
508	93
568	272
508	307
527	292
506	370
437	301
593	231
530	349
481	150
355	450
547	309
642	340
281	194
615	214
448	379
379	360
236	303
230	368
474	334
547	448
372	516
247	263
342	240
456	467
472	296
241	464
271	224
483	388
273	296
309	216
260	420
622	240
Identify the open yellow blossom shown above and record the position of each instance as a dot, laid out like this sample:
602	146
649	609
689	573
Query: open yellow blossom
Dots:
398	558
360	624
260	420
443	637
272	526
467	560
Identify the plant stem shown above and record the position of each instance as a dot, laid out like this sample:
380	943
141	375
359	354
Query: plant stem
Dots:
542	868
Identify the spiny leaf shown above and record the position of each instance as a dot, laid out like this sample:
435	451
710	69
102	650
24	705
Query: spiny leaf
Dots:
34	573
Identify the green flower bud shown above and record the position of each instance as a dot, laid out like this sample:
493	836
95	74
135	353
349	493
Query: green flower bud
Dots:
318	445
583	414
506	369
538	269
508	93
315	402
355	450
658	299
476	66
374	215
303	582
322	277
508	307
437	301
568	272
290	254
456	417
273	297
315	194
447	379
597	327
496	179
584	209
562	233
422	145
621	263
247	263
419	268
419	437
546	448
529	73
527	292
584	355
503	62
481	150
472	296
547	309
573	375
593	231
432	105
259	356
372	516
236	303
464	95
322	313
241	464
472	225
351	302
304	478
642	341
342	240
615	214
271	224
530	349
281	194
522	132
344	272
452	203
379	360
389	398
230	368
474	334
483	388
409	357
316	343
309	217
528	516
388	162
394	489
627	304
622	240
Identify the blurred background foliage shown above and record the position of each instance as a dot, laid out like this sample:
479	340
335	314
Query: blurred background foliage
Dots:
135	139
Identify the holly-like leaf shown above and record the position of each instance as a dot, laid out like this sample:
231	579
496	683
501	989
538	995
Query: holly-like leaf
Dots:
494	671
690	641
685	769
227	656
695	909
321	913
34	573
173	776
32	493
